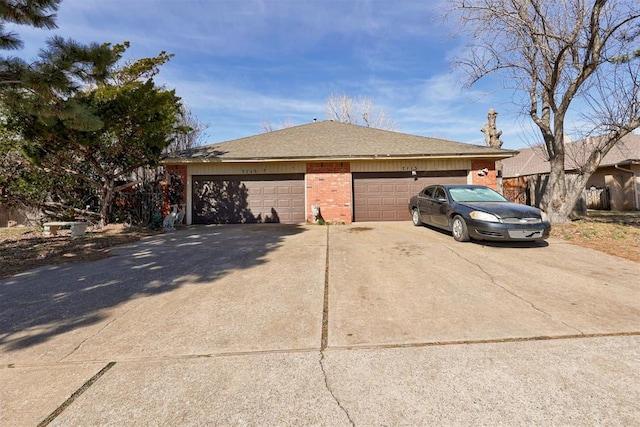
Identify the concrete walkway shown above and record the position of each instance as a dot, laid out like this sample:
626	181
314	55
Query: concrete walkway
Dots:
368	324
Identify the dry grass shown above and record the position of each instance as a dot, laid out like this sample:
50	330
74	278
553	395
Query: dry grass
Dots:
21	249
615	233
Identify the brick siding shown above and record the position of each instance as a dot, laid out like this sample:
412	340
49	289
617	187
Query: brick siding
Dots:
329	187
490	179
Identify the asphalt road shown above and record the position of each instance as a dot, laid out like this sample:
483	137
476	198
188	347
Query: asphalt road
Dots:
367	324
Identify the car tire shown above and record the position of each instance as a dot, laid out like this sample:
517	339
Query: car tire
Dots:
415	217
459	229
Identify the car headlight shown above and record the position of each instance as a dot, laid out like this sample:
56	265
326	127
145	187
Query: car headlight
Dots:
544	216
484	216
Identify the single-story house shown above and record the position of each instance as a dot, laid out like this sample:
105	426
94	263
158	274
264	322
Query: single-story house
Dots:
615	185
348	172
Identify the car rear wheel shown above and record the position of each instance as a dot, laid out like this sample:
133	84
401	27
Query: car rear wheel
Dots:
415	217
459	229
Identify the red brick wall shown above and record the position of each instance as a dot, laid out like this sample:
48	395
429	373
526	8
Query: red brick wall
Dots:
490	179
329	186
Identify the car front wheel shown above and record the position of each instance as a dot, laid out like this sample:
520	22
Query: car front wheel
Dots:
459	229
415	216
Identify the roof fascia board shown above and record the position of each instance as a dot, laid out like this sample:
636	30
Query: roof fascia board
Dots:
496	156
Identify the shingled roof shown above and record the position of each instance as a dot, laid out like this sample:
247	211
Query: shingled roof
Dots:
534	160
328	140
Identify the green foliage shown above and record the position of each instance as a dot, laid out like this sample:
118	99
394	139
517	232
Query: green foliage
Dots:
48	87
142	69
38	13
75	123
19	182
24	184
119	121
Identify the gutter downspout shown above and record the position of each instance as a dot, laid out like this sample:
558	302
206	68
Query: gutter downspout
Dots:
635	184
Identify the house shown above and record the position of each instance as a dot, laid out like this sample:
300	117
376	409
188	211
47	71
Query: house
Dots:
615	185
347	172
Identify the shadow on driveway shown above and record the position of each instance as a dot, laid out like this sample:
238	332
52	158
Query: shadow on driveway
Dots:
43	303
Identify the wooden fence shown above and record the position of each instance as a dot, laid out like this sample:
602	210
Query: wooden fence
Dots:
598	198
11	216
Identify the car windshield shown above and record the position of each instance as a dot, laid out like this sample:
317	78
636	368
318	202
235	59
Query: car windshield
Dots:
475	194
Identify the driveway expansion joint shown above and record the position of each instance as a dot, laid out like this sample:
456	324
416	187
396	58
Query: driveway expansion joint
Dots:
75	395
507	340
324	341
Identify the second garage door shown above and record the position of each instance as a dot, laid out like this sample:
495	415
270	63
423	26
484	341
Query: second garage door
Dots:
248	199
385	196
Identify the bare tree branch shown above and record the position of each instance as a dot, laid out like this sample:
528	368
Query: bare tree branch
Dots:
357	111
573	56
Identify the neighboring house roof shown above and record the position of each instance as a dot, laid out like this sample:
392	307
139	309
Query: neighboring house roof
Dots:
534	160
332	141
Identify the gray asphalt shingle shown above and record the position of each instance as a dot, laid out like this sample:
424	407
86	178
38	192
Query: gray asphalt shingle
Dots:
333	140
534	160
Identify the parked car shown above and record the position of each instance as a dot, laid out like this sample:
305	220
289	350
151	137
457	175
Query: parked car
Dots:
477	212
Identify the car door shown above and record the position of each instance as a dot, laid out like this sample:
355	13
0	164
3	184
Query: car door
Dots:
438	210
424	200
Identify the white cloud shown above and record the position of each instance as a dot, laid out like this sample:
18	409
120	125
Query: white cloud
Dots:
238	63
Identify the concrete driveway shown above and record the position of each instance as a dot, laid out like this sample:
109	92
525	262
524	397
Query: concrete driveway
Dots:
367	324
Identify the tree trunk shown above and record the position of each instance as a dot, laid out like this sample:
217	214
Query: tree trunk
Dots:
107	199
554	201
564	191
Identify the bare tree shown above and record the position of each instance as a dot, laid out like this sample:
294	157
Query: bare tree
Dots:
191	131
267	126
566	56
357	111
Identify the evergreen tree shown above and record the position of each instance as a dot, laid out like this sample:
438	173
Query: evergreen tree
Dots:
36	13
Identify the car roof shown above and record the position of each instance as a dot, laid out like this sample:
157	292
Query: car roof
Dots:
457	186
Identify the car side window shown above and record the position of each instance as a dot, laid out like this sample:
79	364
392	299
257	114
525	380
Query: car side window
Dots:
439	194
428	192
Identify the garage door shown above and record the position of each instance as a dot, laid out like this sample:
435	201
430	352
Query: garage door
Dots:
248	199
385	196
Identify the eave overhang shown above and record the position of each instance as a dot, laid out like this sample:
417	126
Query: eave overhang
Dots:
495	156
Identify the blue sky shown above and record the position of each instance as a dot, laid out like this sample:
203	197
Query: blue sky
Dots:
239	63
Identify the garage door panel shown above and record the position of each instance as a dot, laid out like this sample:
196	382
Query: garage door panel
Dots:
373	216
248	199
384	196
389	216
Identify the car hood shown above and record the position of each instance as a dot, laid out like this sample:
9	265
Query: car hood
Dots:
505	209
